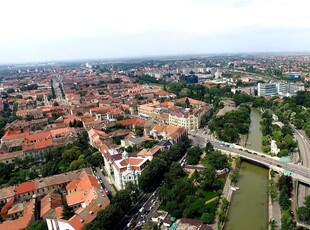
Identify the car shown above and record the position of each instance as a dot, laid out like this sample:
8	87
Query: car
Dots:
141	209
132	225
100	181
152	200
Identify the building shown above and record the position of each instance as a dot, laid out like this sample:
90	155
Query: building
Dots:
20	142
192	224
169	134
188	118
189	78
87	198
274	148
267	89
282	88
128	169
41	187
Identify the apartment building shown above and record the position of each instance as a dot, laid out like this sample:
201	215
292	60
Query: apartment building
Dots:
188	118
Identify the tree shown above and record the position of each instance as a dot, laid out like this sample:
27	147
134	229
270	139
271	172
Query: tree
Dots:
10	90
209	147
193	155
217	160
79	163
29	117
208	178
284	200
206	218
234	177
139	131
67	212
50	169
33	174
304	211
286	221
37	225
95	159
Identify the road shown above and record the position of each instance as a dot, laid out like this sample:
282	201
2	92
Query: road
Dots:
149	204
98	173
299	172
304	148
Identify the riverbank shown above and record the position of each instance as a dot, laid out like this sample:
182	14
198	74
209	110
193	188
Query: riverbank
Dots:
226	194
274	209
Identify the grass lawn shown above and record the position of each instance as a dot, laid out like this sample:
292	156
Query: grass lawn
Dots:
204	162
209	195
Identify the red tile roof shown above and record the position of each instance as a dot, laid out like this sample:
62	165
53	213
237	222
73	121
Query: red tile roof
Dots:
25	187
131	121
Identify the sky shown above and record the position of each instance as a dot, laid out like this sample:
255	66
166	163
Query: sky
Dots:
49	30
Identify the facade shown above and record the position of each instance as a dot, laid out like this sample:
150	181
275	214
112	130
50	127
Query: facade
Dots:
281	88
267	89
188	118
189	121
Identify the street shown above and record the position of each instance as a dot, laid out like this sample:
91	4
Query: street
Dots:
104	180
140	212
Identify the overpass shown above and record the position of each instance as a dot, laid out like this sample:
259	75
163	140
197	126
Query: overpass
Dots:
298	172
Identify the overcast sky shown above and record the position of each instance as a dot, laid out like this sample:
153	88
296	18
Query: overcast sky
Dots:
44	30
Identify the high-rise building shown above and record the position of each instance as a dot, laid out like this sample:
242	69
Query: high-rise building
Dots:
282	88
267	89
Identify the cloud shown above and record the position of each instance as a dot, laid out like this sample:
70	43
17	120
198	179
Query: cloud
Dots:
27	26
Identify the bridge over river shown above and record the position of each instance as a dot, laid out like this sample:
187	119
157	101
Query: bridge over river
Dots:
298	172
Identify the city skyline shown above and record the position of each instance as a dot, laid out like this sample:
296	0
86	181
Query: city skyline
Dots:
38	32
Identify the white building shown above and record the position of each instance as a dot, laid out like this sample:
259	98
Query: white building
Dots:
128	169
274	148
267	89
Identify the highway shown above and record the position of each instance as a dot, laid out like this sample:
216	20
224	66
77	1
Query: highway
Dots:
304	149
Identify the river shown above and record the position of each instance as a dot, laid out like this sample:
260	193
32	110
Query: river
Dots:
255	136
249	205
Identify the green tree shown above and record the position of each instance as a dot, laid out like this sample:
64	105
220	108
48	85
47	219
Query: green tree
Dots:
193	155
217	160
67	212
139	131
37	225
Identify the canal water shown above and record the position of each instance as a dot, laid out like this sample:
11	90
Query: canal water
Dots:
249	205
255	136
